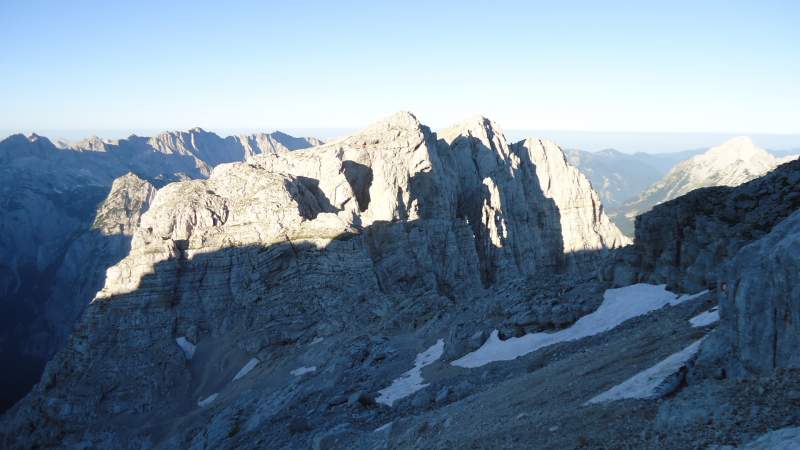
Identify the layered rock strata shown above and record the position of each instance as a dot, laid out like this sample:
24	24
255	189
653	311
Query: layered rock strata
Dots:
289	257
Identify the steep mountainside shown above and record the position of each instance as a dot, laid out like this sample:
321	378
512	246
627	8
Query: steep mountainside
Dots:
299	284
48	201
577	202
616	176
622	177
730	164
402	288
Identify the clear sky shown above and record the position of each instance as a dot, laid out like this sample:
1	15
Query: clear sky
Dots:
672	66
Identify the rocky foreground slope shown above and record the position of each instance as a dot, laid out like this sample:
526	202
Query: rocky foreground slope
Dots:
328	265
53	250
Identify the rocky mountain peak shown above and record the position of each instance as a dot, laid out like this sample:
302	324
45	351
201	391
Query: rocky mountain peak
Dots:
92	143
120	212
732	163
21	146
739	150
476	127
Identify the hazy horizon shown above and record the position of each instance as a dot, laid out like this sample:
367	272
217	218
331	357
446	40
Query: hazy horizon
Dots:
626	142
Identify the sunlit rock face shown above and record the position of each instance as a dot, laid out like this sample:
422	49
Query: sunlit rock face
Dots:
384	232
53	247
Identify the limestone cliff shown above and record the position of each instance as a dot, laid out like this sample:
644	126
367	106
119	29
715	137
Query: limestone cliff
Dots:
49	195
760	305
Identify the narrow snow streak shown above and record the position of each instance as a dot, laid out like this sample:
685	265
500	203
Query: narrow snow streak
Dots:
246	369
303	370
705	318
411	381
207	401
187	347
618	306
645	384
383	427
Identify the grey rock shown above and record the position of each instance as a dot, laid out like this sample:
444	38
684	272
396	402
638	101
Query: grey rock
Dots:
390	231
361	399
442	395
298	425
684	242
54	250
422	399
760	314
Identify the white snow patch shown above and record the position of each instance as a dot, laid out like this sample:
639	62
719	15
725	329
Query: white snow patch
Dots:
207	401
383	427
705	318
411	381
303	370
618	306
187	347
645	384
246	368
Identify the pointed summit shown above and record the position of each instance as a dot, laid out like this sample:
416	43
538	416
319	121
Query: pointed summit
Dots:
731	163
477	126
400	119
741	147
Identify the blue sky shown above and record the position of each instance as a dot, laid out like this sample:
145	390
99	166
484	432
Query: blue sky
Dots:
699	66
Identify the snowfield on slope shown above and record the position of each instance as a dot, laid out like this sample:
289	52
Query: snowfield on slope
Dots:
187	347
705	318
302	370
618	306
246	368
645	384
411	381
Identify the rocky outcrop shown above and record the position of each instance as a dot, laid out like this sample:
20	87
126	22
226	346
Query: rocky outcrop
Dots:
760	303
333	257
48	201
732	163
683	242
743	242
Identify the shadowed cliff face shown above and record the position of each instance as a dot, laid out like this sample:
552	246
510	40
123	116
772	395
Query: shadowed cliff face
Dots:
49	302
52	258
684	242
376	243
